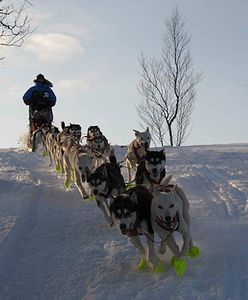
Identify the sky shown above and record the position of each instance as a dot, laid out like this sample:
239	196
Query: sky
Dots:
55	245
89	50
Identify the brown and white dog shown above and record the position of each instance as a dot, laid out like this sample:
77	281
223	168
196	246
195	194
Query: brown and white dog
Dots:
137	150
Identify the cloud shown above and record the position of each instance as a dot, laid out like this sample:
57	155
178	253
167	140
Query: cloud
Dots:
68	85
73	30
54	47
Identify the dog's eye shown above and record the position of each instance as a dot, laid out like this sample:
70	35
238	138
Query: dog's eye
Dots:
172	205
160	207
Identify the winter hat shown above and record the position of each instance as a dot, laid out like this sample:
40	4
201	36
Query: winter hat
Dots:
41	79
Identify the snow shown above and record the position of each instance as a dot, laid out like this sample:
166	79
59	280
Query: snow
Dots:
55	245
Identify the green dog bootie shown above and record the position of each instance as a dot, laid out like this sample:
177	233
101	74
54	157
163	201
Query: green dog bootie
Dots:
179	264
159	268
142	265
58	169
67	183
194	252
91	198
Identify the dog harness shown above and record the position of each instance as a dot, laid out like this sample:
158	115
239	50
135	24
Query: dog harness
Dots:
170	226
139	158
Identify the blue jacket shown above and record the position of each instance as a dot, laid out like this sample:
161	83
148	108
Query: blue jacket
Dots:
41	89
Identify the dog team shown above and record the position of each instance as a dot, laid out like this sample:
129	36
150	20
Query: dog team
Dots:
147	205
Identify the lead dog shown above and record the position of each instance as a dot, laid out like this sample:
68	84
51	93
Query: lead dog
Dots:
131	213
170	213
137	150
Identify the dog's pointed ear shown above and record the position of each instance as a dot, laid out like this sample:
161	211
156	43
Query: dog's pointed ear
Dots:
88	173
134	198
174	189
147	129
136	132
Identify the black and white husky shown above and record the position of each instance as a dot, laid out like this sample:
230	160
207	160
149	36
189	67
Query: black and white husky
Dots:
106	182
98	145
92	132
151	171
72	129
131	213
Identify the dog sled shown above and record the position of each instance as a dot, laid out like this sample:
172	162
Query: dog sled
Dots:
38	120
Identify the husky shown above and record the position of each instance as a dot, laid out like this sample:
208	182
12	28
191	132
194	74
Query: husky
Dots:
131	213
92	132
151	171
45	128
170	213
75	160
100	148
105	182
72	129
51	144
137	150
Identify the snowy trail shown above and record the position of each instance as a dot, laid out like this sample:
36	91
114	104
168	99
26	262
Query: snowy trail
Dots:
55	245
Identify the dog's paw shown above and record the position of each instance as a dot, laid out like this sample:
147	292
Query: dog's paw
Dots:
58	169
143	264
91	198
67	184
194	252
111	224
179	264
159	268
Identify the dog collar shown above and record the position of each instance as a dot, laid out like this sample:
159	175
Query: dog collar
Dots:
172	226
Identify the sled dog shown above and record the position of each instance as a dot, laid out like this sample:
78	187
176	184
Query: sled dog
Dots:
105	182
100	148
151	171
131	213
72	129
51	144
75	159
170	213
92	132
137	150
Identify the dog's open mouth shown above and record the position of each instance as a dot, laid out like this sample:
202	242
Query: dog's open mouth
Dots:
168	225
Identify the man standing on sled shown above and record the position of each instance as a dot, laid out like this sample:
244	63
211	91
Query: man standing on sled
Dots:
40	99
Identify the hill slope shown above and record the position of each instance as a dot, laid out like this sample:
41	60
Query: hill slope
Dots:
55	245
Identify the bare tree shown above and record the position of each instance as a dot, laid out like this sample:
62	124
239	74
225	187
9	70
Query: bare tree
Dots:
14	24
167	85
